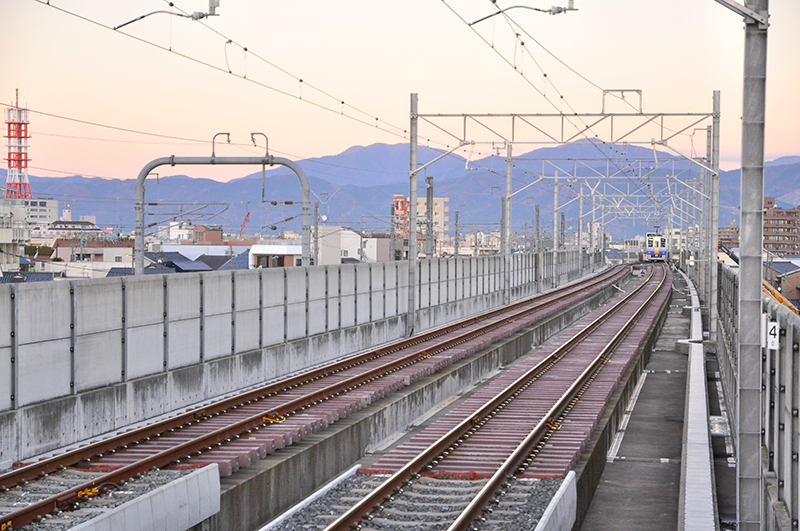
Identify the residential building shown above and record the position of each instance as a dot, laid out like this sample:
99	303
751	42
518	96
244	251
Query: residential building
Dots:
76	250
207	235
14	233
784	276
330	245
729	236
275	253
781	228
40	212
400	213
176	231
173	262
80	230
342	244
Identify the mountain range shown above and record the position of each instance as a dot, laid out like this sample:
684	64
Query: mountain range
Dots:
355	188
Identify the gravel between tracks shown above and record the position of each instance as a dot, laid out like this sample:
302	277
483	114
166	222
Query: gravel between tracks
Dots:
95	506
429	504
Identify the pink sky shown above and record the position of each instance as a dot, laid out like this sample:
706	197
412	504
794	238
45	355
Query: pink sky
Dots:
371	55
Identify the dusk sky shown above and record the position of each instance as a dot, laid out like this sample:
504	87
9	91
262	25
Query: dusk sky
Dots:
371	55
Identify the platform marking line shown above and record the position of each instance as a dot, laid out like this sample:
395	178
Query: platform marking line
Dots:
612	452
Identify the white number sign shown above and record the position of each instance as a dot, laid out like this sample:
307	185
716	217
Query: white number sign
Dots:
773	335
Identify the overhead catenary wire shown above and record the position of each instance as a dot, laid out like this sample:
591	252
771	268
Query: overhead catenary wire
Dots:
582	131
372	122
375	122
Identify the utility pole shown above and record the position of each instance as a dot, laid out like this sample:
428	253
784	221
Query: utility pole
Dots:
562	238
475	242
538	231
429	243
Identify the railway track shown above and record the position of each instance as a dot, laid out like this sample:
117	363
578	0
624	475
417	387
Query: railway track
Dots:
554	395
237	431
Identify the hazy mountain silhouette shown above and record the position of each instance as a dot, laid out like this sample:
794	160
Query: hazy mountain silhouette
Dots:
355	188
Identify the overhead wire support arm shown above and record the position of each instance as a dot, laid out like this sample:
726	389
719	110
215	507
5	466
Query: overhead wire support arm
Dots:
139	204
197	15
443	155
746	12
555	10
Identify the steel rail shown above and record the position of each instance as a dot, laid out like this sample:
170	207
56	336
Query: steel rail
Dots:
52	464
453	438
263	419
551	418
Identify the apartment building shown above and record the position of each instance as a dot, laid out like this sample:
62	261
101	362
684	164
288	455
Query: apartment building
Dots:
781	228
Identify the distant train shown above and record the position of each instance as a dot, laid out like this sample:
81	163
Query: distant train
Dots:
655	249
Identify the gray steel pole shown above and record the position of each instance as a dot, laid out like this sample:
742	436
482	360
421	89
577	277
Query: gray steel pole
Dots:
592	228
475	242
555	214
455	246
412	221
316	233
138	254
429	241
526	238
392	234
748	438
708	250
695	224
714	211
580	217
538	231
507	230
503	227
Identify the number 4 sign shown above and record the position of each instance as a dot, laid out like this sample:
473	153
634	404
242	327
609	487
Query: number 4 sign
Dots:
773	335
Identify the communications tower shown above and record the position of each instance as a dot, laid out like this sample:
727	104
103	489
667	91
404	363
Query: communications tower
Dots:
17	184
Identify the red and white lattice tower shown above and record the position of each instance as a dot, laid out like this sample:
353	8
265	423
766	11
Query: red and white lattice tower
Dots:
17	184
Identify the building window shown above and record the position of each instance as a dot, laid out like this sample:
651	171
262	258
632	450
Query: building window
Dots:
118	259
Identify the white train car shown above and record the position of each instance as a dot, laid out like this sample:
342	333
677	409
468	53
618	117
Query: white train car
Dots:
655	249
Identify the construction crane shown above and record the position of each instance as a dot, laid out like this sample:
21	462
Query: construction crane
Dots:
244	225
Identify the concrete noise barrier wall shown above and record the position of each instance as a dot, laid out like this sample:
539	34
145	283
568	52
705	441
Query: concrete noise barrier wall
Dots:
80	358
